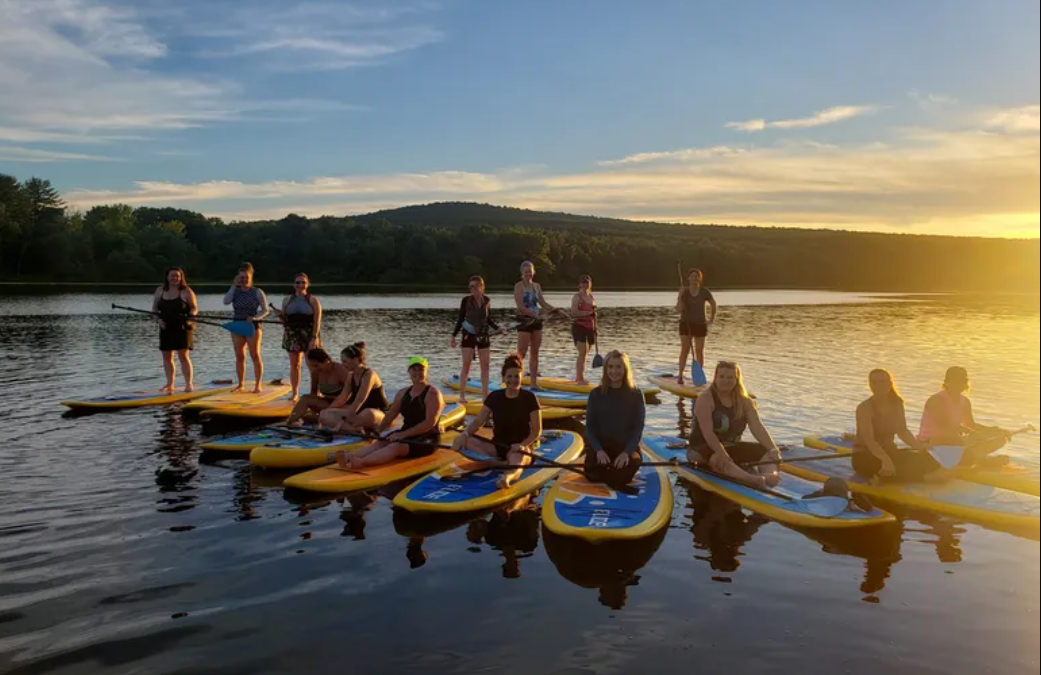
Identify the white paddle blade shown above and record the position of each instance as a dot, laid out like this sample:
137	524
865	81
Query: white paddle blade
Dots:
949	456
823	507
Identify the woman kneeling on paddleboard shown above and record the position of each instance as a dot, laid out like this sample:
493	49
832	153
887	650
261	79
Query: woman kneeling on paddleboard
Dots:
175	302
516	423
948	420
420	406
328	380
615	419
720	419
475	321
361	405
248	303
875	453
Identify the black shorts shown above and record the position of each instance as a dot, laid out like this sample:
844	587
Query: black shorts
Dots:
502	447
175	339
742	452
417	450
698	330
580	334
532	327
471	341
911	467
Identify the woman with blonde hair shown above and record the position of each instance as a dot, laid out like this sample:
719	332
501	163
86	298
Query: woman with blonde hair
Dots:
301	317
721	416
248	303
615	417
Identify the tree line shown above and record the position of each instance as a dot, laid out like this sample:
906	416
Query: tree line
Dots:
41	239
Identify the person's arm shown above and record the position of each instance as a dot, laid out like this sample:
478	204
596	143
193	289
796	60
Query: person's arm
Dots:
462	317
479	421
435	405
703	409
593	423
316	305
230	295
313	378
192	302
758	429
712	305
866	433
263	306
364	389
904	434
281	314
535	422
155	300
633	446
541	298
392	414
488	315
341	400
679	300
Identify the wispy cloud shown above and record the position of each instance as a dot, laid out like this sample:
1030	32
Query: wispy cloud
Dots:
818	119
14	154
1023	120
970	181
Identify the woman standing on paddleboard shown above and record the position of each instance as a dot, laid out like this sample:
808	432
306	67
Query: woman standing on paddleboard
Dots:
615	418
879	419
248	303
420	405
475	321
527	295
175	302
516	423
302	317
328	380
361	405
694	321
721	416
583	328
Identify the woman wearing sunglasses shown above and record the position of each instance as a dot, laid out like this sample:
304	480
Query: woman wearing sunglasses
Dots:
301	316
475	322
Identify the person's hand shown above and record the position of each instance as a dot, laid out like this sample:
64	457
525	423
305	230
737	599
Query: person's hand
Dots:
459	441
161	323
394	437
720	462
621	461
516	449
455	342
602	458
888	468
239	280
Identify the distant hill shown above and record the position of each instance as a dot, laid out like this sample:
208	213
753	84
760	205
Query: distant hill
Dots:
440	245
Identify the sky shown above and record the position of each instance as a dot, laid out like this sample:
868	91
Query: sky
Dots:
918	117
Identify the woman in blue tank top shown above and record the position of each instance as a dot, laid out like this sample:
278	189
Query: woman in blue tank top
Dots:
248	303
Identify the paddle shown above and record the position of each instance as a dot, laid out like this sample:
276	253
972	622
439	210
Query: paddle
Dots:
598	361
244	329
950	456
697	373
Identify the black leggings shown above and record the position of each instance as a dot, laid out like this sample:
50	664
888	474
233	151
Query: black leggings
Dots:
609	475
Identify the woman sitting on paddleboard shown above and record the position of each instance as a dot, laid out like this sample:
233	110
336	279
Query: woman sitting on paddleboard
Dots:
583	328
875	453
360	407
694	321
516	423
615	419
721	416
248	303
175	302
301	315
328	380
948	420
527	295
475	321
420	406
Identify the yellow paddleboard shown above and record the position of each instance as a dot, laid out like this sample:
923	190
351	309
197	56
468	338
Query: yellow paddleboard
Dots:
670	384
137	399
561	384
272	390
555	399
272	410
474	407
331	478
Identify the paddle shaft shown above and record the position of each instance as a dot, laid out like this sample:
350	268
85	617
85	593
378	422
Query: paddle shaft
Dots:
194	318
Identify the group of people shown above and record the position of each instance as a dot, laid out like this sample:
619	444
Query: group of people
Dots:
348	396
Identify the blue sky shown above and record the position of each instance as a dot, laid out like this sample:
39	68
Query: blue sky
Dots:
896	116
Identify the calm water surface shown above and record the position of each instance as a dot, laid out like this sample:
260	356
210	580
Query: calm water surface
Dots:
125	550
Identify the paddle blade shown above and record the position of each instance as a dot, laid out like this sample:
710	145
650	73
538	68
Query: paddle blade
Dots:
244	329
697	374
598	361
823	507
949	456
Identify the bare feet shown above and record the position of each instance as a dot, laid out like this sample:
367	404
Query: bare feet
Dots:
505	482
189	388
168	389
680	380
582	383
771	480
239	389
295	424
258	389
294	398
344	460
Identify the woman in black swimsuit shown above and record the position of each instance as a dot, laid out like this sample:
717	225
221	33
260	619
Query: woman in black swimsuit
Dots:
475	321
361	405
328	380
420	406
175	302
721	416
694	320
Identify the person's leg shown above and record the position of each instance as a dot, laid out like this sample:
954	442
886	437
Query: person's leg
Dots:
485	358
464	372
684	353
296	360
258	363
187	370
580	363
533	360
170	371
239	345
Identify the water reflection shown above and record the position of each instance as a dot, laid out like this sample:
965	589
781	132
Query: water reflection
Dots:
720	528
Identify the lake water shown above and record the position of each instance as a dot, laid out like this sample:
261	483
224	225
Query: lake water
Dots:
125	550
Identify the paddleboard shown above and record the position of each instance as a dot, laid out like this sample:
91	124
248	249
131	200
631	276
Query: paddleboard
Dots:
556	399
476	491
594	512
474	407
671	384
333	479
304	453
984	504
272	390
138	399
247	441
562	384
278	409
1013	477
793	511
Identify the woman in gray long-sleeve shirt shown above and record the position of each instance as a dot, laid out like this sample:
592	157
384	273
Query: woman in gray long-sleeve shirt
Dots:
615	419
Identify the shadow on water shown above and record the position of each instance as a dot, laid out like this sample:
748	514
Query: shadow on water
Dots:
610	567
721	528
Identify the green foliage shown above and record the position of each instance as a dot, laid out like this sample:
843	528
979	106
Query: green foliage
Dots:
443	244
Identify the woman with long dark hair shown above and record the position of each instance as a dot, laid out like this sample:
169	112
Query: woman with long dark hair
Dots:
176	304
